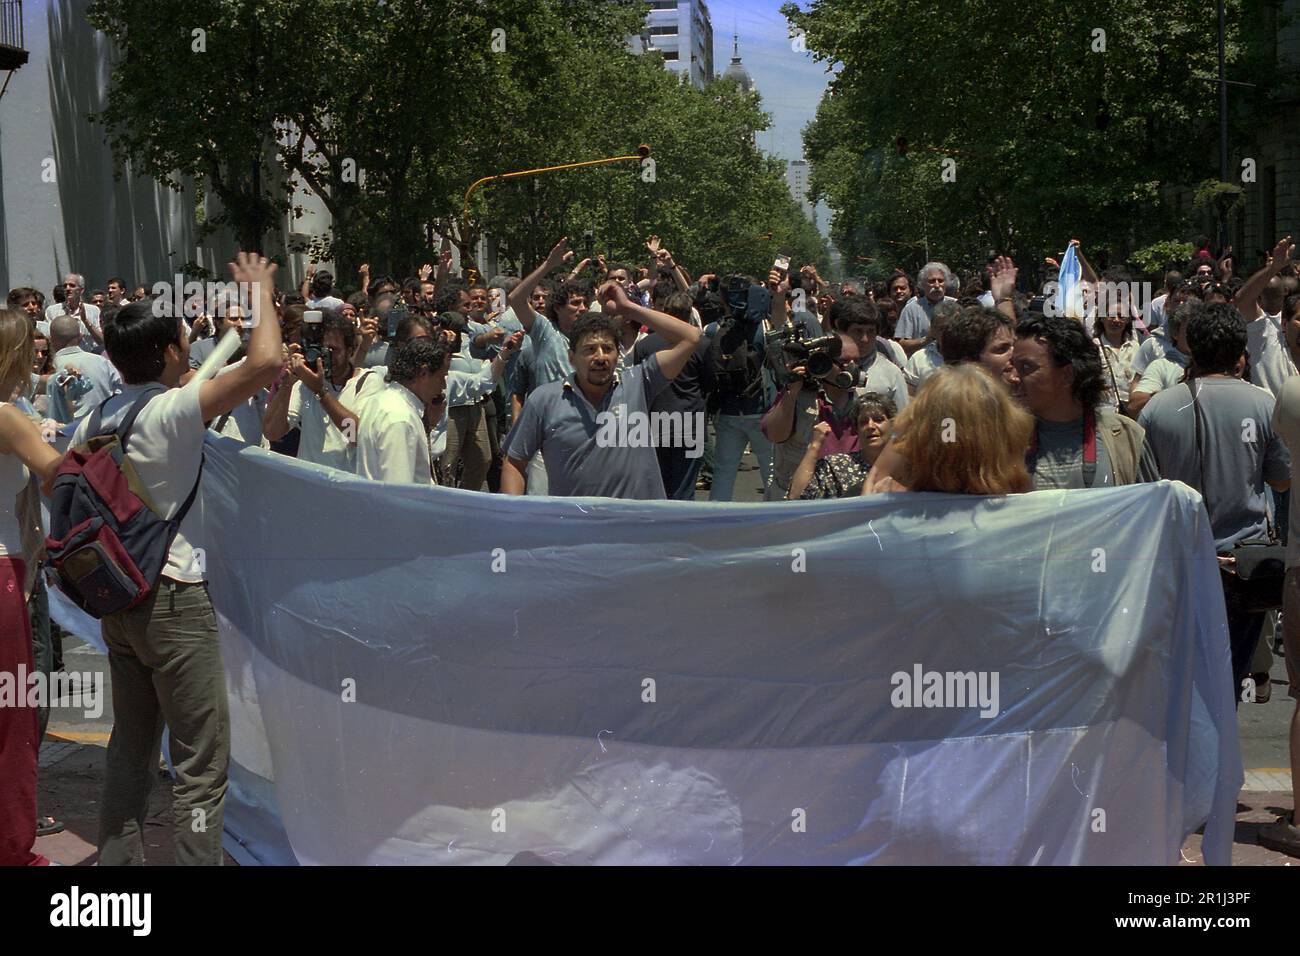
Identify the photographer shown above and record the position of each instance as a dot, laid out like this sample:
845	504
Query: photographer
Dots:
857	318
735	358
807	399
315	405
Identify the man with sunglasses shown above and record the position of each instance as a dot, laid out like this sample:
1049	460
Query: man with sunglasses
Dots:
789	423
87	315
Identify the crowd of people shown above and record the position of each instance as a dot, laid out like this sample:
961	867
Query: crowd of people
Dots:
922	383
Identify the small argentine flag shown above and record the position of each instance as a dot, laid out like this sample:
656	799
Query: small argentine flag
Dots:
1069	293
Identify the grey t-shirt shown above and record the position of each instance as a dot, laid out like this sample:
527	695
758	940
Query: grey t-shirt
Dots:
1059	460
574	438
1240	447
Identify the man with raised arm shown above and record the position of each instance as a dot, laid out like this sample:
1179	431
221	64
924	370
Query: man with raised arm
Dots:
1260	302
594	427
164	654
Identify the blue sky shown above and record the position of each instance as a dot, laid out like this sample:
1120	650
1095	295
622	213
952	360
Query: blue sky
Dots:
791	83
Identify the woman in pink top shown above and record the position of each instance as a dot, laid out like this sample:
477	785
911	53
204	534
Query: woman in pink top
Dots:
24	456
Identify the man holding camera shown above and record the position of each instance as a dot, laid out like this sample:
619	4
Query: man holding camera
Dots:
320	402
809	398
858	318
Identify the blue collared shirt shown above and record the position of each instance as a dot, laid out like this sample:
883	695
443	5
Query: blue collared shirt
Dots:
573	436
548	358
72	397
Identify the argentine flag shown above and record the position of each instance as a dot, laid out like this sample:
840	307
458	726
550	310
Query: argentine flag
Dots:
1069	293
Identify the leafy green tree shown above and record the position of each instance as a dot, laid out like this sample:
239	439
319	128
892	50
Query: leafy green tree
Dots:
388	111
1013	126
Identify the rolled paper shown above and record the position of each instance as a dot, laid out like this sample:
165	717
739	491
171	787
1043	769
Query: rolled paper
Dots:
217	360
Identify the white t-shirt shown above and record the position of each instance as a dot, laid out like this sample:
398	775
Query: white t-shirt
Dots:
1270	359
923	363
1161	374
896	350
885	377
366	383
166	448
1158	311
321	443
392	444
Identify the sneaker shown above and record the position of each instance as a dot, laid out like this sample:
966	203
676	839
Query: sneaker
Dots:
1281	836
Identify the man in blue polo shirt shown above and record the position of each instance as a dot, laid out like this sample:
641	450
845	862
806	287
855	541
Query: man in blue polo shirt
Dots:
594	428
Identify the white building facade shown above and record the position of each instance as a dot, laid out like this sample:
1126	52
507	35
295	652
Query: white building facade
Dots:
683	32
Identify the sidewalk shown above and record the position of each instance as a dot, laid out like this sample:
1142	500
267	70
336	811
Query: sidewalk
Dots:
72	773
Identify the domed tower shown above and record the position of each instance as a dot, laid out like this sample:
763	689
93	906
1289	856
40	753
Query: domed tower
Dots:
736	70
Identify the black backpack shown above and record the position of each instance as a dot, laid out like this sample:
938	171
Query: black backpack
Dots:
736	366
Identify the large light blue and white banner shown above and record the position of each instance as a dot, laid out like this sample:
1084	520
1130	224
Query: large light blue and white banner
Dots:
424	675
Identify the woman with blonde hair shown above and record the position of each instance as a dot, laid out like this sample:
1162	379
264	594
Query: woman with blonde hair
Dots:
962	434
25	459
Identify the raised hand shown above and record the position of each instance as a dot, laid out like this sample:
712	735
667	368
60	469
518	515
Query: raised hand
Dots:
559	254
1281	254
653	245
613	298
512	344
251	268
426	270
1002	284
313	378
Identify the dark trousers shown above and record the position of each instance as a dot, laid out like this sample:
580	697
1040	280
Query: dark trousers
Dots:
679	473
1244	628
166	666
38	611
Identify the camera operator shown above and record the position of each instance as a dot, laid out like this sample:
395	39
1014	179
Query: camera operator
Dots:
319	404
736	350
857	317
819	389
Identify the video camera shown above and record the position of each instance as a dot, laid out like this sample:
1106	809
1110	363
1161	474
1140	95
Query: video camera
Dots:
313	342
790	346
737	294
